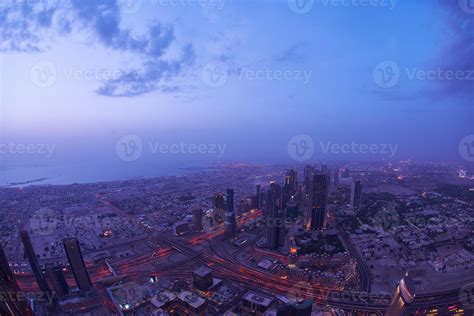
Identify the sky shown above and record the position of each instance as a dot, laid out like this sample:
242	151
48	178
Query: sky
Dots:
255	77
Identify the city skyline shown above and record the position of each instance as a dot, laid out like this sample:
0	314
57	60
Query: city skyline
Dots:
237	157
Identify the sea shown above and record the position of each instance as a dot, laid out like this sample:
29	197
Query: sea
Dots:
46	174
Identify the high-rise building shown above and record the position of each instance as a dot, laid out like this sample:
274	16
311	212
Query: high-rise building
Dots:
285	193
356	194
9	305
292	175
336	177
202	278
218	201
324	169
317	204
76	261
56	276
276	217
34	264
230	220
198	220
303	308
257	199
307	174
404	296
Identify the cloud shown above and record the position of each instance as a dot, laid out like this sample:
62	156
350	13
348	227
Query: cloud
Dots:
294	54
457	50
150	77
27	27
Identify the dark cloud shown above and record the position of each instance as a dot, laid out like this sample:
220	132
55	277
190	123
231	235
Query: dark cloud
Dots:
457	50
26	27
294	54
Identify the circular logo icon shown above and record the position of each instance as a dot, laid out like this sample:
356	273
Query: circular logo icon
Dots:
301	147
43	74
466	148
300	6
467	6
129	148
300	291
386	219
44	222
466	296
130	6
215	74
386	74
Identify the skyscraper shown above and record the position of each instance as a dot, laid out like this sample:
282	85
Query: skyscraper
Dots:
275	218
34	264
230	220
307	174
9	305
56	276
218	201
292	175
198	220
336	177
317	204
258	196
285	193
404	296
356	194
76	261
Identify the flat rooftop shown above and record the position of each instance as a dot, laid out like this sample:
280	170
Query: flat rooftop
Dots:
202	271
258	298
